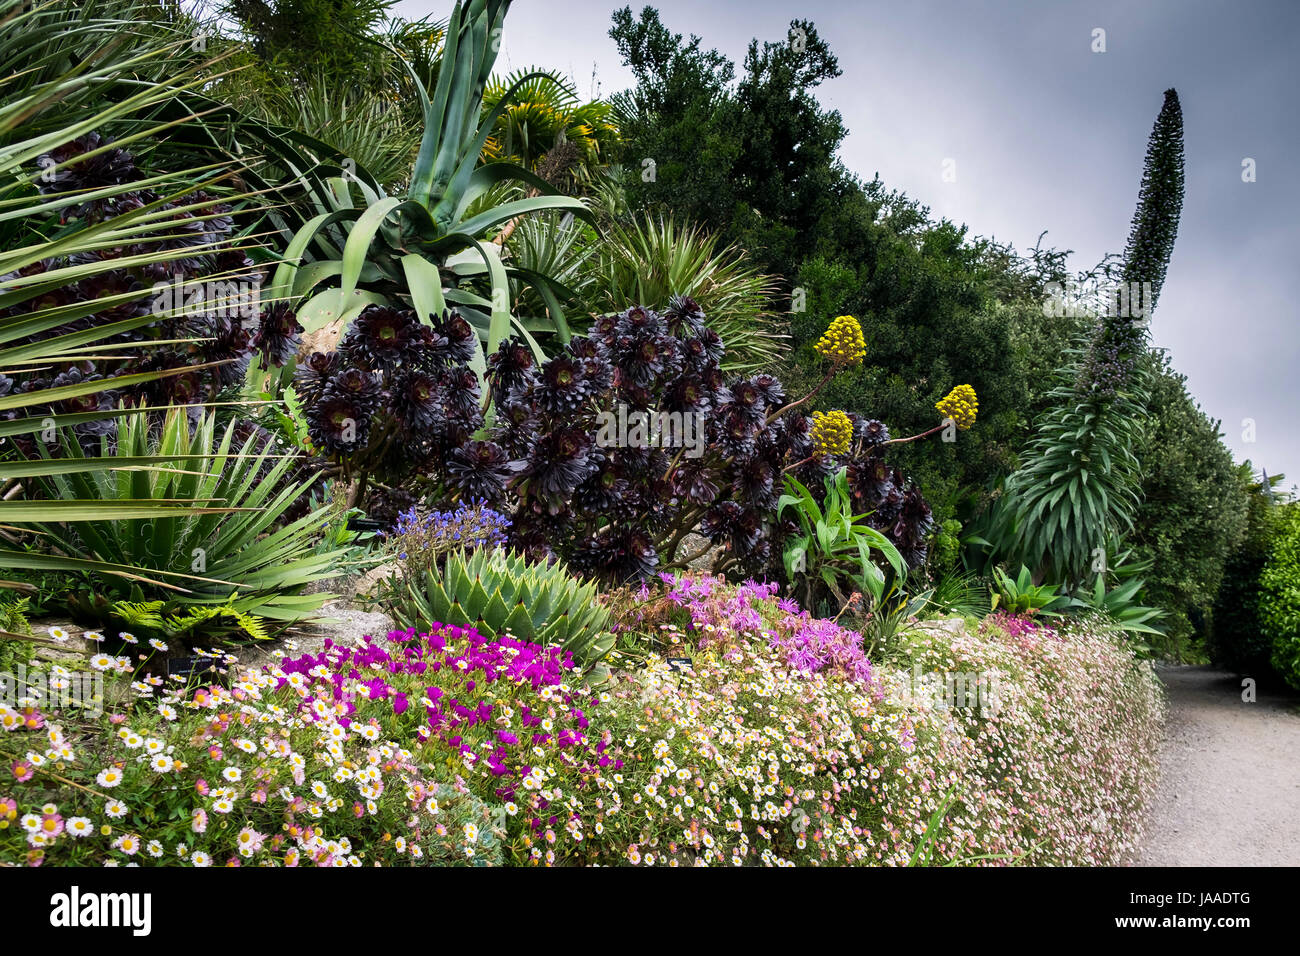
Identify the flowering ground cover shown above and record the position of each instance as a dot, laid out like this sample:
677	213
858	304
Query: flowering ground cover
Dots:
747	732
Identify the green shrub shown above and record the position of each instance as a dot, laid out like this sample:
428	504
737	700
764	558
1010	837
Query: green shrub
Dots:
1193	514
1279	595
1236	639
497	591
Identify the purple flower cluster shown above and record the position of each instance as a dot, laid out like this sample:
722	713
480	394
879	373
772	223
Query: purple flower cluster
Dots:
1017	626
811	644
437	532
722	612
490	701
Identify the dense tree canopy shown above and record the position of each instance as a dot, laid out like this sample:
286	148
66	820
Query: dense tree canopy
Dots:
752	156
1194	503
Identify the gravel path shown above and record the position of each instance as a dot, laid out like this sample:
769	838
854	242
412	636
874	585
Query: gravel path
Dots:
1230	788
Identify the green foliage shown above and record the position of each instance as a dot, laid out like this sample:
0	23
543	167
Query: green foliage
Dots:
197	626
945	548
753	157
647	260
1279	597
1194	507
651	259
1120	605
71	76
216	509
1237	639
497	591
15	633
393	249
1020	595
365	126
13	614
833	544
679	123
917	295
313	38
1080	487
961	593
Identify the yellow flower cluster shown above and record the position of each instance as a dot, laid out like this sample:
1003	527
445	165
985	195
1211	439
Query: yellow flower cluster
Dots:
843	343
960	405
832	432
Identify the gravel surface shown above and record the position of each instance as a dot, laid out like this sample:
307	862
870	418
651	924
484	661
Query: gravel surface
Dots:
1230	788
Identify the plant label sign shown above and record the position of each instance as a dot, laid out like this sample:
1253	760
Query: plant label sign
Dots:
189	666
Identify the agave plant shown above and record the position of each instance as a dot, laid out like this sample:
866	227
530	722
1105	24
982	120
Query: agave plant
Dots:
498	591
395	249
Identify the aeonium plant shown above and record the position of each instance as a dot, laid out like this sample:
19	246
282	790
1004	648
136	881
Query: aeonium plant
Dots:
395	403
608	455
631	438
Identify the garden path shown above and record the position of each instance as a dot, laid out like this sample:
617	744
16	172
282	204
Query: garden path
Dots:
1230	787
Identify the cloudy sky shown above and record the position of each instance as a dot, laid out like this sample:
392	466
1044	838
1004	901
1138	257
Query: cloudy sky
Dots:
1045	133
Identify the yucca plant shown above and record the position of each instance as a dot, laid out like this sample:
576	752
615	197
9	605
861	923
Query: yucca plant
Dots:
395	250
223	496
99	223
562	247
82	231
650	260
363	125
499	591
